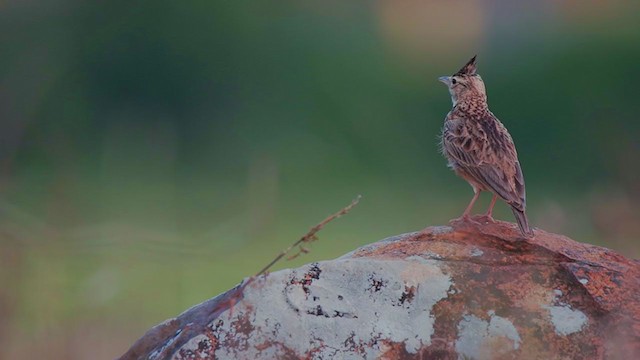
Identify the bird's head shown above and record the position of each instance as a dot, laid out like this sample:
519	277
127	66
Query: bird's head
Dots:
465	84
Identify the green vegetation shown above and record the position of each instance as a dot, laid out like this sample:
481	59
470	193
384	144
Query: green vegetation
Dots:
155	153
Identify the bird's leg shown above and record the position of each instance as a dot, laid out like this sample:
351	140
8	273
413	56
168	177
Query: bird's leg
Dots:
488	216
467	211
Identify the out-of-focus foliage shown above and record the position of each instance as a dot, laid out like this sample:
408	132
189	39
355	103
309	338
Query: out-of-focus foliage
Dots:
154	153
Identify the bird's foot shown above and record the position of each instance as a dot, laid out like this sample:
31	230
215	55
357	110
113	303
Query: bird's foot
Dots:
484	219
465	219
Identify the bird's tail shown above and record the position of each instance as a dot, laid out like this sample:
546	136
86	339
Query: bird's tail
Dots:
523	223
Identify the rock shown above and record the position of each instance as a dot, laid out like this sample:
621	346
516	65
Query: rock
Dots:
463	292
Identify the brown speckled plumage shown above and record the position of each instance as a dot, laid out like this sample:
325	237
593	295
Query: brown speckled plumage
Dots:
479	147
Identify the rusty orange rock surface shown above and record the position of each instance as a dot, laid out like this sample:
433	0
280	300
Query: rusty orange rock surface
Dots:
462	292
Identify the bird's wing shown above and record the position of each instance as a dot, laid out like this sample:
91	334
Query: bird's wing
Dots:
485	150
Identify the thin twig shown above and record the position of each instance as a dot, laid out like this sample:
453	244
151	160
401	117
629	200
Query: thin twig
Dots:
308	237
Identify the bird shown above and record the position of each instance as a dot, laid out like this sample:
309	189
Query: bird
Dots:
479	148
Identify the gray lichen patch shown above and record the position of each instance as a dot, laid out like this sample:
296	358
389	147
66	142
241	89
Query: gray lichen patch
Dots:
566	320
482	339
476	252
341	308
426	258
438	230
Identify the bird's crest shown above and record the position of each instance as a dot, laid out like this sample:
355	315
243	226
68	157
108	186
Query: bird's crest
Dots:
469	68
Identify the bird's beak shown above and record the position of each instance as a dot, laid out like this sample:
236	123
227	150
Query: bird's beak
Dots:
445	79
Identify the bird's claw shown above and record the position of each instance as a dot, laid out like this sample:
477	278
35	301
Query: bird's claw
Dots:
465	219
484	219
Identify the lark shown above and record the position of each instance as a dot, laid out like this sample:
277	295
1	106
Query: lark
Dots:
480	149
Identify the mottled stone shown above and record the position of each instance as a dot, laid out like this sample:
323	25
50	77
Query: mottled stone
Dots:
461	292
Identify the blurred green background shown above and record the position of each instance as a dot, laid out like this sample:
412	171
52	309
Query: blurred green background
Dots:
154	153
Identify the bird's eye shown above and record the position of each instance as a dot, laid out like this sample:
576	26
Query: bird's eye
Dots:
454	81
